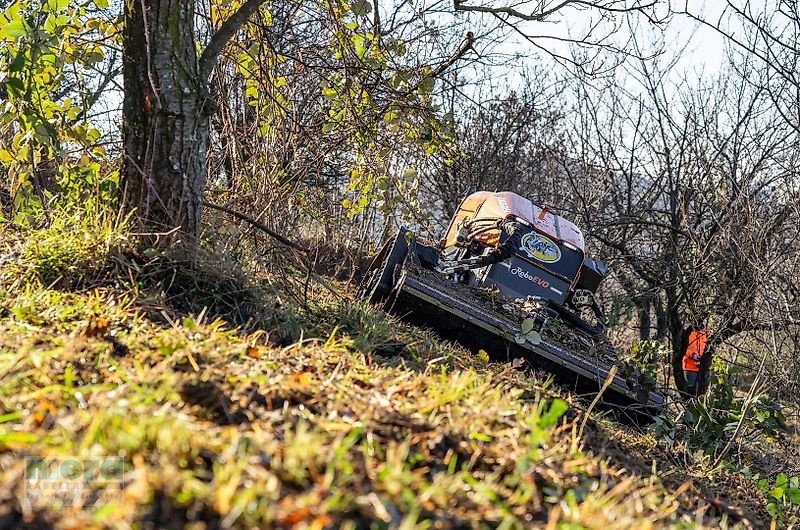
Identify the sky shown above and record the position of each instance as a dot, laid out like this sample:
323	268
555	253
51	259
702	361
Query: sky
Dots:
699	51
704	49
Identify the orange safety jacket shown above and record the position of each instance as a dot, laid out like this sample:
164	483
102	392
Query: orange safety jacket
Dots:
697	345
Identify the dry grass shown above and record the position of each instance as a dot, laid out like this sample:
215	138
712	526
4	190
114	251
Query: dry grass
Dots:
328	416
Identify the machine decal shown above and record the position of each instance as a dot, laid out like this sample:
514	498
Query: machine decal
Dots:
540	247
518	271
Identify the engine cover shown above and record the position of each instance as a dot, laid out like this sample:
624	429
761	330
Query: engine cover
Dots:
505	204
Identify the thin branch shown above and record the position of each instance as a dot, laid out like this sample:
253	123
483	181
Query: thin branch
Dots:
458	5
223	35
261	226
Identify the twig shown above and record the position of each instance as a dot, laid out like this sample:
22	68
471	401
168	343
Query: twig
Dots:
261	226
224	34
320	280
147	51
465	46
747	402
287	242
611	374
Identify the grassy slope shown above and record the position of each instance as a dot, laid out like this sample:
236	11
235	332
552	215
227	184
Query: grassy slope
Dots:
327	416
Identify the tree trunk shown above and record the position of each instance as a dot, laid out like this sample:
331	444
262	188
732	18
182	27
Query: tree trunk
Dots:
680	340
644	319
661	319
165	121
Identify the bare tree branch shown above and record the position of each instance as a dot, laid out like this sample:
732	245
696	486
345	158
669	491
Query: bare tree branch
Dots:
228	29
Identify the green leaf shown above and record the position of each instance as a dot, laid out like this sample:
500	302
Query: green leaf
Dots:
361	8
410	174
776	493
95	56
101	4
18	64
360	44
772	510
527	325
557	409
15	86
14	29
533	337
781	480
53	6
427	84
793	494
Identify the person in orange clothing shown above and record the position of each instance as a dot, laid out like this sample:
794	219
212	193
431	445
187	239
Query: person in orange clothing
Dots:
692	355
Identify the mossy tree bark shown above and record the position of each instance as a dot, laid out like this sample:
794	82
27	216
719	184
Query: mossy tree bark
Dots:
165	119
166	111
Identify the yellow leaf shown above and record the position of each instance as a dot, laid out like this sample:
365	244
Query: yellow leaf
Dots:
483	355
300	379
13	30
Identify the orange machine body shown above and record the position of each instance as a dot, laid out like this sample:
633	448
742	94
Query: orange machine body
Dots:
485	205
489	205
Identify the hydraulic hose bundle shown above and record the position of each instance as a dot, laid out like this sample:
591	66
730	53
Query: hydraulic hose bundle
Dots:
505	250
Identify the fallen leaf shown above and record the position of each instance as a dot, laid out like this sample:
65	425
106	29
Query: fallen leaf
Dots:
300	379
320	522
97	327
252	351
297	516
45	410
533	337
362	384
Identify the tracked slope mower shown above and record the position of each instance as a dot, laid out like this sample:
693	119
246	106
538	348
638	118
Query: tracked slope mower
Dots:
512	278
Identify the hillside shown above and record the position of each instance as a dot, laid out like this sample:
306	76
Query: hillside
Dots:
236	404
190	193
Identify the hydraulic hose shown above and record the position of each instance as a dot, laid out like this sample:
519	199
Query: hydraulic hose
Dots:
513	241
511	229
